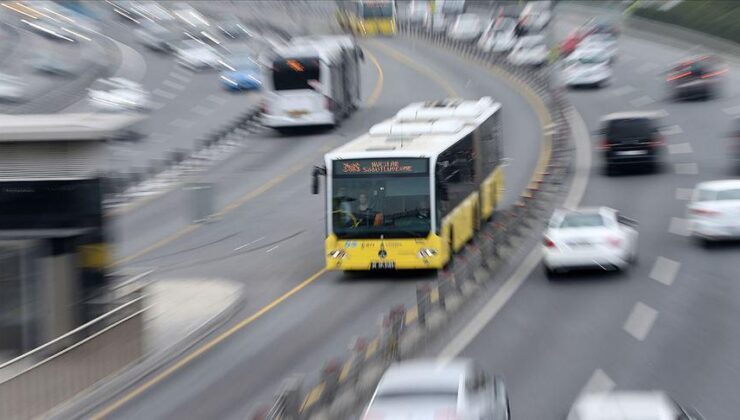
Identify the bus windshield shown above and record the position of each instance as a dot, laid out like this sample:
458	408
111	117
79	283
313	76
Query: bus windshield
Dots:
376	9
294	73
374	197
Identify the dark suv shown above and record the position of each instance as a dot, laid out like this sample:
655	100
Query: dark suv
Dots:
631	139
698	77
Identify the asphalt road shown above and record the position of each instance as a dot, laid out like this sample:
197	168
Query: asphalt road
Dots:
667	323
272	241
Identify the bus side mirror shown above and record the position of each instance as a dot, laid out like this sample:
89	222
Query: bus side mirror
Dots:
317	171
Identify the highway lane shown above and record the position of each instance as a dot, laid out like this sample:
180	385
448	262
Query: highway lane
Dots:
322	316
667	323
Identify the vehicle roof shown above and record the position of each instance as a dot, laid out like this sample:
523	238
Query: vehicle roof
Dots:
719	185
63	127
421	129
630	115
625	405
424	374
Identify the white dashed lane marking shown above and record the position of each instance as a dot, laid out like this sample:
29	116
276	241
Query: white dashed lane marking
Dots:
598	382
182	123
621	91
180	77
680	148
671	130
164	94
640	321
642	101
215	99
249	243
173	85
665	270
732	111
272	249
686	168
684	194
679	226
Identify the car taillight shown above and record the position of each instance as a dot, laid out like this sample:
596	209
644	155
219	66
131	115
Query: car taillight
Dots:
713	74
264	108
704	212
678	76
548	243
605	144
614	241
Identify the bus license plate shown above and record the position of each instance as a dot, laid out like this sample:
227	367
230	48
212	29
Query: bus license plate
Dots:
383	265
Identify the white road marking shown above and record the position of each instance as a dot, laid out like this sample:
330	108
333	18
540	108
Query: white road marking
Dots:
640	321
272	249
597	383
665	270
732	111
202	110
173	85
671	130
179	76
679	226
684	194
642	101
249	243
621	91
512	284
216	99
686	168
680	148
647	67
164	94
182	123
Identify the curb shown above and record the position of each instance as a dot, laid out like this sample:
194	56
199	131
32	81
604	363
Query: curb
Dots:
113	386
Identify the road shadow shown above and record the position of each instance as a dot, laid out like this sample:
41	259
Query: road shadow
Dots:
380	276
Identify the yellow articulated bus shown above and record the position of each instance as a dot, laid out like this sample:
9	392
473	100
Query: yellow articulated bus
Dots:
367	17
413	190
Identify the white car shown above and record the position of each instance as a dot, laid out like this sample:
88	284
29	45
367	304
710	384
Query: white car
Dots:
499	37
589	237
535	16
603	42
118	94
467	27
630	405
432	389
530	50
714	211
197	55
586	67
12	89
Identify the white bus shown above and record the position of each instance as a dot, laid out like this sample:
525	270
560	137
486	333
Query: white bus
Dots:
314	81
414	189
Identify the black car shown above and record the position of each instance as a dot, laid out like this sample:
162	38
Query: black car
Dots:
631	140
698	77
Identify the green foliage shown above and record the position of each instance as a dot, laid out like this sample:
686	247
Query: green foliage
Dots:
720	18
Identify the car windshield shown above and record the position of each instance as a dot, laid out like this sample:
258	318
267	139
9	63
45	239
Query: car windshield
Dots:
374	197
729	194
439	395
531	42
629	128
586	59
377	10
580	220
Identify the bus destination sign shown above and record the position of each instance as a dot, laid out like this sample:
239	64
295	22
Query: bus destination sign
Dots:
380	166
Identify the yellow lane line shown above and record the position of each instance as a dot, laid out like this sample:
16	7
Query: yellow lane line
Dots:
375	94
209	345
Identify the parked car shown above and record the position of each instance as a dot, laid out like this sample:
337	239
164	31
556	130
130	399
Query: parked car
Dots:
589	237
499	36
698	77
118	94
714	211
586	67
12	89
530	50
630	405
431	389
467	27
631	139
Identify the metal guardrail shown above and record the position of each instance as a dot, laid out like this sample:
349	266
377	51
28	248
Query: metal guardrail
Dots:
345	383
69	364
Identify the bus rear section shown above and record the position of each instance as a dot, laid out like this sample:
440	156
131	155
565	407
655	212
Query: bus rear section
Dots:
375	17
298	97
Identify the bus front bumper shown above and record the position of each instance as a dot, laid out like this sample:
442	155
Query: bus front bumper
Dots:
389	254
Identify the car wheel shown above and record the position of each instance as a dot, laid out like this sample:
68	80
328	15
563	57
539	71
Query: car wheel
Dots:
706	243
549	273
610	170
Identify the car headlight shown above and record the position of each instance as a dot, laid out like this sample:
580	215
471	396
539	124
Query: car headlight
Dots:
426	253
337	254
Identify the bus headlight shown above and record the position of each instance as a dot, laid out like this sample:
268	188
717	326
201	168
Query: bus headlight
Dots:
427	253
337	254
